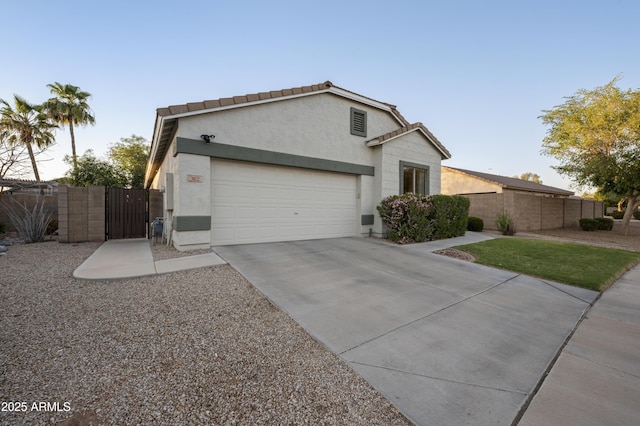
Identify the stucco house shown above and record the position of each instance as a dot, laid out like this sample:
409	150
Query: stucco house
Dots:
531	206
464	182
302	163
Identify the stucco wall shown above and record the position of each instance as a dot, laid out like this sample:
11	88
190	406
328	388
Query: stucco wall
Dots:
313	126
413	148
454	182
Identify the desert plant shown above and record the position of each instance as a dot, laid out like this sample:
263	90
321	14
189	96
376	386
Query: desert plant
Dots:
30	224
588	224
504	223
604	223
475	224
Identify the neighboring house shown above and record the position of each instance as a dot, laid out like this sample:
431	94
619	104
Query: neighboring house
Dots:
463	182
21	186
531	206
301	163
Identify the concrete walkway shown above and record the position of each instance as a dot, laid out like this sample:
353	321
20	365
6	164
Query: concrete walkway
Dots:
596	379
446	341
121	259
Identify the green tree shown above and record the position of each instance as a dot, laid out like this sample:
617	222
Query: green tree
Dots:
533	177
130	157
92	171
26	124
69	107
595	134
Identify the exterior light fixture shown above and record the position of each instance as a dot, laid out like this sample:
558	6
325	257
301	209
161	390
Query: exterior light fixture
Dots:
207	138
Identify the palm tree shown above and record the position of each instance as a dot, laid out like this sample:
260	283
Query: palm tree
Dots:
26	124
69	107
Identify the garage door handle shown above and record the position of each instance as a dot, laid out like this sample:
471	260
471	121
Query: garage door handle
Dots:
295	212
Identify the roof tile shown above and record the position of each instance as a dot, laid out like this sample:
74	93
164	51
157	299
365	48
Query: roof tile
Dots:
195	106
178	109
212	104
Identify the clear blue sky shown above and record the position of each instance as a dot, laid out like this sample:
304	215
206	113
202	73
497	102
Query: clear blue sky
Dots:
477	74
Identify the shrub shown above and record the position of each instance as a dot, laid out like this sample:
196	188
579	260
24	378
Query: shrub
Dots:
407	217
3	227
604	223
588	224
616	214
475	224
30	224
504	223
450	214
636	214
417	218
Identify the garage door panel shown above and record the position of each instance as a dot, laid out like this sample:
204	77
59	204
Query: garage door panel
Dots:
261	203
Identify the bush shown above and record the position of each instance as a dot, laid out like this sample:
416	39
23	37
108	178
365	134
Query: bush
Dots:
3	227
604	223
407	217
504	223
450	214
475	224
636	214
30	224
616	214
417	218
589	224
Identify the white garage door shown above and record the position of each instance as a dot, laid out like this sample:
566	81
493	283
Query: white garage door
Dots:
253	203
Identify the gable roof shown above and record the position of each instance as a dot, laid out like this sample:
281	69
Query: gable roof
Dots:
513	183
408	129
167	118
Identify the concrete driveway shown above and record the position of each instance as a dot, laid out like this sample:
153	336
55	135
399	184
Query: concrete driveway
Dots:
446	341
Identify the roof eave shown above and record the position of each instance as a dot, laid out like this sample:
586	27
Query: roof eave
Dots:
377	142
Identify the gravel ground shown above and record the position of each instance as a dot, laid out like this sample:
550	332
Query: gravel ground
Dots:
194	347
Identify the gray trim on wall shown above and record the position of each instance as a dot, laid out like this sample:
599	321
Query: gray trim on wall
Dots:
404	164
240	153
191	223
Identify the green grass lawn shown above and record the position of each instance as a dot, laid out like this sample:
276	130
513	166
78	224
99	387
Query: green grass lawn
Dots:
581	265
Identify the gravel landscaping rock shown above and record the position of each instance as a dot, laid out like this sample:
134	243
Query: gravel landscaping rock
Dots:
194	347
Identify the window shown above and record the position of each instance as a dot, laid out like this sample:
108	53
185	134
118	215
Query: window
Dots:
414	178
358	122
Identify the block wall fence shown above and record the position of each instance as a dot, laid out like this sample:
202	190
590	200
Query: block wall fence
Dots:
81	213
29	201
532	212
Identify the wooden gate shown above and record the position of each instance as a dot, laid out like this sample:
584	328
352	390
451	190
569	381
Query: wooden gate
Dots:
126	211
